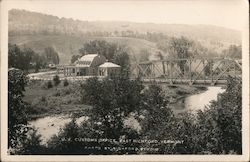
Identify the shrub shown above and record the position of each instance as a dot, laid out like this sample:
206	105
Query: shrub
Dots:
57	93
56	80
32	144
67	91
65	83
49	84
43	98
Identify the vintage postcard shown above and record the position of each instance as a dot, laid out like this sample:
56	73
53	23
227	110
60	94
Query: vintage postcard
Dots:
107	80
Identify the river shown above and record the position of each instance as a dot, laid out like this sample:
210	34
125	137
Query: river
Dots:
197	101
50	125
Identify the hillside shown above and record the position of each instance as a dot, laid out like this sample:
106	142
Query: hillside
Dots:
38	31
32	22
67	46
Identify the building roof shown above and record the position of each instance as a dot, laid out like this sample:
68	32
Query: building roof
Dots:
109	64
88	57
86	60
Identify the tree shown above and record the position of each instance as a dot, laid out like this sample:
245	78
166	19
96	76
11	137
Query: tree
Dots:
74	58
51	55
118	92
17	109
18	58
25	59
49	84
233	51
221	121
122	58
22	139
144	55
112	102
56	80
113	52
158	121
14	53
180	47
65	83
64	142
215	130
101	47
32	144
187	131
39	61
160	55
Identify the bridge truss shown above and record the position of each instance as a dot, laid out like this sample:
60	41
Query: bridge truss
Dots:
196	72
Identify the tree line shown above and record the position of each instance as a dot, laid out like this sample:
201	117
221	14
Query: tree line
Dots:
26	59
111	51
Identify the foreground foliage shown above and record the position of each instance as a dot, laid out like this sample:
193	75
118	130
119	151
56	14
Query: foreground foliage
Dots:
22	139
215	130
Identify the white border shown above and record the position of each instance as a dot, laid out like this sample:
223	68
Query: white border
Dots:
4	83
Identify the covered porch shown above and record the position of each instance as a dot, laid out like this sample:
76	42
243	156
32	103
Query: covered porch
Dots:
75	71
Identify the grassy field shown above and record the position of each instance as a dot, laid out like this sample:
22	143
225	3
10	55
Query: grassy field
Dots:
64	100
59	99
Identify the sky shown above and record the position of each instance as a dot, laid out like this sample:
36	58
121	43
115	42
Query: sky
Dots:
225	13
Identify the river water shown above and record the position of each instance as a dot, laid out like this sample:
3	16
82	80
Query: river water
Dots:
51	125
48	126
197	101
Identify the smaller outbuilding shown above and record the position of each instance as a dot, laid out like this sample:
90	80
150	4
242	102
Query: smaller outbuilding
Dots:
109	69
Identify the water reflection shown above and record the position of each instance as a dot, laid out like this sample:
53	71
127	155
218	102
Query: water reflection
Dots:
197	101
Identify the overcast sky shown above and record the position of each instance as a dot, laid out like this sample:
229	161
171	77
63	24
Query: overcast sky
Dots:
225	13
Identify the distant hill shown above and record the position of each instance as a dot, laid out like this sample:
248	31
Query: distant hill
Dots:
67	46
37	31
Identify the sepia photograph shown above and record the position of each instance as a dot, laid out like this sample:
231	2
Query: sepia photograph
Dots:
141	79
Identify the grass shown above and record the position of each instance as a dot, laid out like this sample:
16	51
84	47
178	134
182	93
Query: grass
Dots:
56	100
67	99
178	92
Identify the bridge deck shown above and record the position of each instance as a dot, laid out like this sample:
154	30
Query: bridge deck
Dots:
185	82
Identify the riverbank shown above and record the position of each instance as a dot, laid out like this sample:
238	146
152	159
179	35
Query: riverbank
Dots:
66	100
51	125
57	100
198	101
176	93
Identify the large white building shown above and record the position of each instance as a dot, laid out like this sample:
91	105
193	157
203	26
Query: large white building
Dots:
92	65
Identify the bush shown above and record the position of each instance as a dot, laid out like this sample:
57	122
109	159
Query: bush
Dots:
57	93
32	144
49	84
43	99
56	80
65	83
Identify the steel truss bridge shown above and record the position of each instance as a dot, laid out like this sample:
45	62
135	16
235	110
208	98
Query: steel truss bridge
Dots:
193	72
